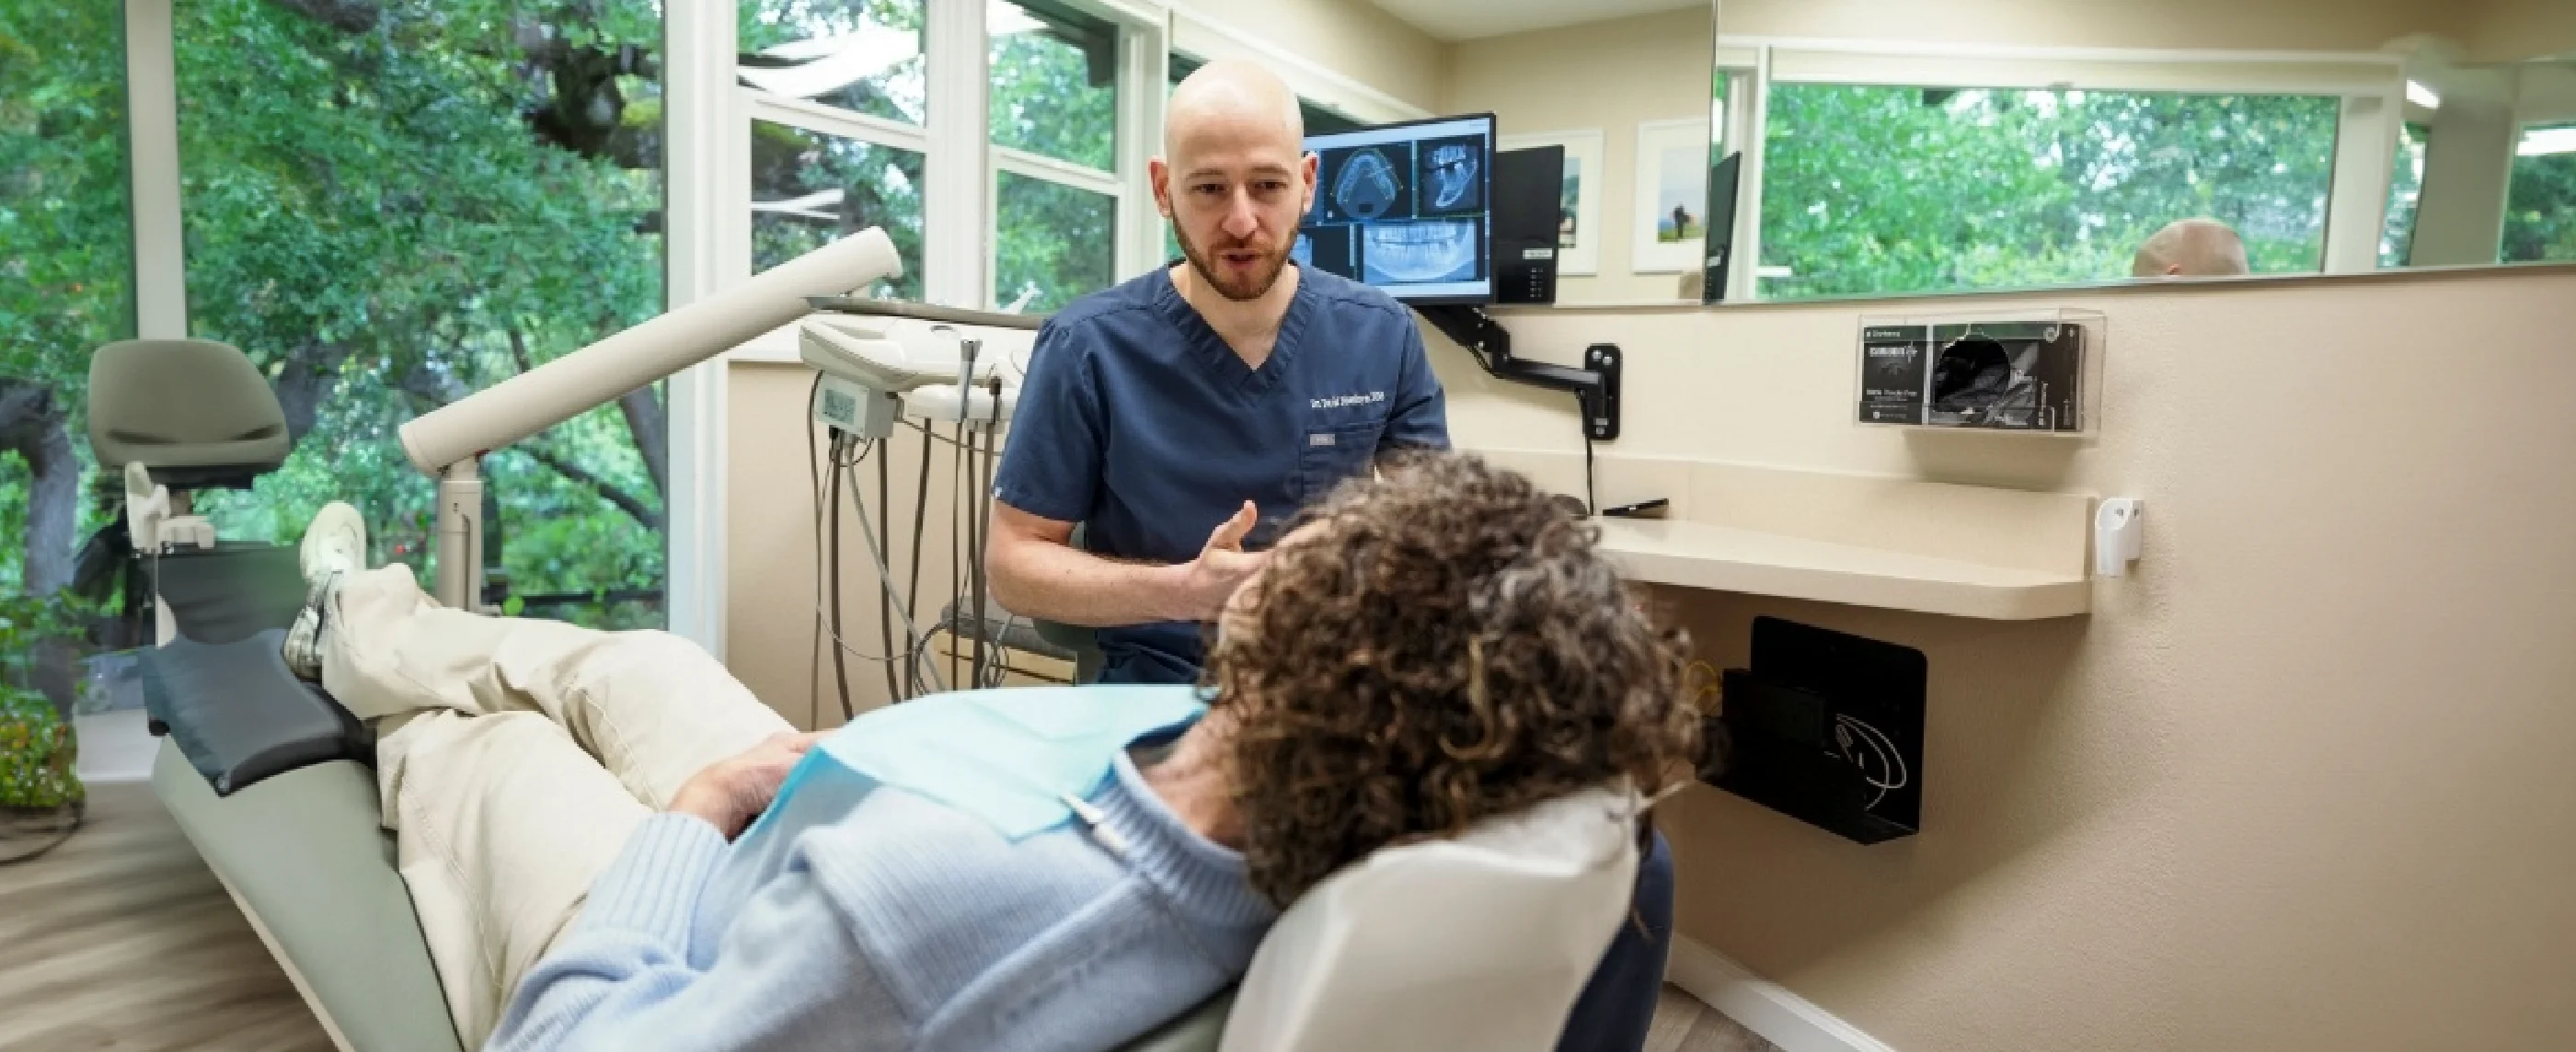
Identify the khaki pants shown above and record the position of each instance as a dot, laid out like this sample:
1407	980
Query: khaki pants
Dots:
515	756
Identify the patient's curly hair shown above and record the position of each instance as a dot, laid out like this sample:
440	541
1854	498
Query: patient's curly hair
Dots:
1450	645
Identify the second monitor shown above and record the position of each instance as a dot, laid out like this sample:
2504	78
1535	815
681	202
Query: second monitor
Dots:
1407	208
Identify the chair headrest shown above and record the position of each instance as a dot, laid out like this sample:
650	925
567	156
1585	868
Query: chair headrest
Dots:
1483	941
194	411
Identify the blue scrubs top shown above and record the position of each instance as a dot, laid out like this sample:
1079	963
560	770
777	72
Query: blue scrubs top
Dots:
1139	422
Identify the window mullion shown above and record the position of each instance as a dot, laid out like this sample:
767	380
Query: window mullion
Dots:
957	219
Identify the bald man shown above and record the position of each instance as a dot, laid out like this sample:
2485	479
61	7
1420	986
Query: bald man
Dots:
2191	248
1178	418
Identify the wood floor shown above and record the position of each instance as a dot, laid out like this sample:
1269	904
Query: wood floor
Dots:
120	939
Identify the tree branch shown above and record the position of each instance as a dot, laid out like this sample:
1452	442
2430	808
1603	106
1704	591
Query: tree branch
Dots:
519	350
309	373
34	425
650	424
608	491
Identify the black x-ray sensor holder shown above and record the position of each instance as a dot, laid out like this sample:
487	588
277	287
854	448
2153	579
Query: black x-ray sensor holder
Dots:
1827	728
1596	385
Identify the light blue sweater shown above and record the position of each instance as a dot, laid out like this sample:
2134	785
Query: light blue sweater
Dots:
905	925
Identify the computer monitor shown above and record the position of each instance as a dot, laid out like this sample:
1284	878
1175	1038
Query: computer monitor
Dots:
1407	208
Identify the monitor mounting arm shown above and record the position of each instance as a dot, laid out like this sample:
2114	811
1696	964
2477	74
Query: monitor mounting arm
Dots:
1596	386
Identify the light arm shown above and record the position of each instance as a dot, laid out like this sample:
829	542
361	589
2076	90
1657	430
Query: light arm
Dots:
1037	572
445	442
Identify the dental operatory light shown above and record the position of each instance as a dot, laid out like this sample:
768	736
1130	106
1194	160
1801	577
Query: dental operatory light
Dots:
2423	96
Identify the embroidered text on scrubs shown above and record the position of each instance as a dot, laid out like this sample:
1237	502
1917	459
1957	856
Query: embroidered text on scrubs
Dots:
1338	401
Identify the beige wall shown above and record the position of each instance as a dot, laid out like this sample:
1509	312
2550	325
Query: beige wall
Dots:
1352	38
1605	76
2305	25
2518	30
2297	783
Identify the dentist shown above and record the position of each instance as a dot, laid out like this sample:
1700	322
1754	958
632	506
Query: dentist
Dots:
1181	416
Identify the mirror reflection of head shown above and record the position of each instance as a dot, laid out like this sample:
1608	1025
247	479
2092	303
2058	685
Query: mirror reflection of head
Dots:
2191	248
1234	176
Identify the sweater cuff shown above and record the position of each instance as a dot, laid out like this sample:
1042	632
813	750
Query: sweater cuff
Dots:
653	887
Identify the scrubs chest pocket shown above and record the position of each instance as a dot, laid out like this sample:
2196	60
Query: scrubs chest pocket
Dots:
1332	454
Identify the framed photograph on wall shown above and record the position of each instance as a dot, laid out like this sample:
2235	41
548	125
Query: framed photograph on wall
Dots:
1672	196
1578	224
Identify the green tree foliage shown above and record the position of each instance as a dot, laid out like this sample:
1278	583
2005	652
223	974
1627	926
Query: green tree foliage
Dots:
2540	209
1885	190
1055	242
2405	196
66	259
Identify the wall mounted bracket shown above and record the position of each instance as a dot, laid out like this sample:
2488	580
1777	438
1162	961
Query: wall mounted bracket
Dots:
1596	385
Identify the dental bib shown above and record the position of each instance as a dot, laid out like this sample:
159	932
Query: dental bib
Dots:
1013	759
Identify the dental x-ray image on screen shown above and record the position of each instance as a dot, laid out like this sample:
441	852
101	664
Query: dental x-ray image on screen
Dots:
1396	254
1406	208
1368	183
1452	177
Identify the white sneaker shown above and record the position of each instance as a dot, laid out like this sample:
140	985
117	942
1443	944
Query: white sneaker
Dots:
335	544
303	646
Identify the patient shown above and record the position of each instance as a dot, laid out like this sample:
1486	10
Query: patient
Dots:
1426	649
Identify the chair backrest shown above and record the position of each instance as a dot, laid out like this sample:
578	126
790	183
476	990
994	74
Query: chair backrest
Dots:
1084	643
1480	942
195	412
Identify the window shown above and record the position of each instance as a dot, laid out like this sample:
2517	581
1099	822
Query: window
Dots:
838	100
66	287
862	56
809	189
386	219
1054	83
1870	190
1056	242
1053	119
2540	203
2405	194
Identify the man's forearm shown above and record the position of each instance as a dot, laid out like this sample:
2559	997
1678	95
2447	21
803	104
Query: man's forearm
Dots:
1055	582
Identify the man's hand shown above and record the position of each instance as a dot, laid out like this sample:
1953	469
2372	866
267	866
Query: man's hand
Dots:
730	793
1209	580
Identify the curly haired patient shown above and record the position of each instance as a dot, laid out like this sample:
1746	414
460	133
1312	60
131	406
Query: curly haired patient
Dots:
1423	650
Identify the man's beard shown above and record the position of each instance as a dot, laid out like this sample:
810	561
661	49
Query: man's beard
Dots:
1265	272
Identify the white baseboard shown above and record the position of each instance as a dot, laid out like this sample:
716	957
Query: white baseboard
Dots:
1764	1007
